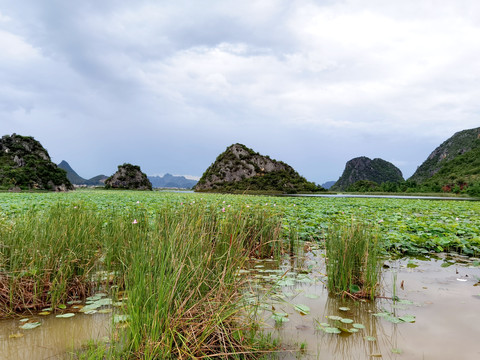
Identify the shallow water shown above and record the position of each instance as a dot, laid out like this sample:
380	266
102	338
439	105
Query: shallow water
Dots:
443	300
54	338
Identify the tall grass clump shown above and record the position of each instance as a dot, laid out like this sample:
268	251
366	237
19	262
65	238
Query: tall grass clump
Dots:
183	295
47	258
353	260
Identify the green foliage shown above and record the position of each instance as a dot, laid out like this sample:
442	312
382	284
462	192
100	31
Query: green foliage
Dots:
459	144
176	263
376	171
353	263
128	177
253	178
26	164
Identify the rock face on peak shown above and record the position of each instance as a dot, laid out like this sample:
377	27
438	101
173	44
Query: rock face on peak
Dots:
241	168
363	168
130	177
459	144
25	164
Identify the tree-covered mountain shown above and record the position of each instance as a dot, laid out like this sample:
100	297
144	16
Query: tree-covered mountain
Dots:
26	164
362	168
453	166
76	179
460	143
241	168
172	181
128	177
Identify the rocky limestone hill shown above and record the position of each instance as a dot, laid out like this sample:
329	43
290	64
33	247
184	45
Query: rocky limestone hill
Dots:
362	168
26	164
76	179
129	177
460	143
241	168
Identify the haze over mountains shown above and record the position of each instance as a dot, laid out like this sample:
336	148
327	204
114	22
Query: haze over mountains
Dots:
166	181
454	166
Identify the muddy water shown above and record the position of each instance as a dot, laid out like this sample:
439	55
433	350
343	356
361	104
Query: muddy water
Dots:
53	339
443	300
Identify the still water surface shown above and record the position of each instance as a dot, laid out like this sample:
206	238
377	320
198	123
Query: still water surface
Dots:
444	300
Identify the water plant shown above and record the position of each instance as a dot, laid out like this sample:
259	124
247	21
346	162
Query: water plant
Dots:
353	266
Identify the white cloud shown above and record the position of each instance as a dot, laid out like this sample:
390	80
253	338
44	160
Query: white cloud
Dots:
263	72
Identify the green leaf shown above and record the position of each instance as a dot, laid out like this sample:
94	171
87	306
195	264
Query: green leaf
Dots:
302	309
332	330
62	306
358	326
370	338
29	326
344	308
66	315
334	317
354	288
119	318
407	318
347	321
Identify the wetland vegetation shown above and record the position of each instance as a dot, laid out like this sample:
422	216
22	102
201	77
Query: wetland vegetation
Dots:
177	270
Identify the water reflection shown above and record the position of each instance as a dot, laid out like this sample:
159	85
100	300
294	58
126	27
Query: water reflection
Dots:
427	290
53	339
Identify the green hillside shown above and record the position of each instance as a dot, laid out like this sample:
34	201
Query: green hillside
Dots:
240	168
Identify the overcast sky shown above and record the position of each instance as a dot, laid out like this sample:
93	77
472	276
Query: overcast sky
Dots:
168	85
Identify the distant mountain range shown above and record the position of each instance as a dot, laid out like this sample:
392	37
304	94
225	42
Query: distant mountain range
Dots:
172	181
327	185
76	179
166	181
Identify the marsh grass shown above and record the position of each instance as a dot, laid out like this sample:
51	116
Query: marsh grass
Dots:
353	260
176	267
183	296
47	258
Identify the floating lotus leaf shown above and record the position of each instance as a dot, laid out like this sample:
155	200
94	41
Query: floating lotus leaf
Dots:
358	326
23	320
44	313
344	308
407	318
29	326
105	311
66	315
332	330
302	309
370	338
354	330
334	317
311	296
347	321
62	306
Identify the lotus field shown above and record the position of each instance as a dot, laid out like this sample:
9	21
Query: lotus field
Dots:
170	262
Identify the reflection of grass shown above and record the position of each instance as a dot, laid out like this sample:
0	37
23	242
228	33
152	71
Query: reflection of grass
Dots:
353	260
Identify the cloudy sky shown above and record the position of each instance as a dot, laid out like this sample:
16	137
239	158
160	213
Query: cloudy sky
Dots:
168	85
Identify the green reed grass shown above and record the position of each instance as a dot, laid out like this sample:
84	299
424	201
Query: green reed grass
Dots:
176	265
47	258
183	297
353	260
